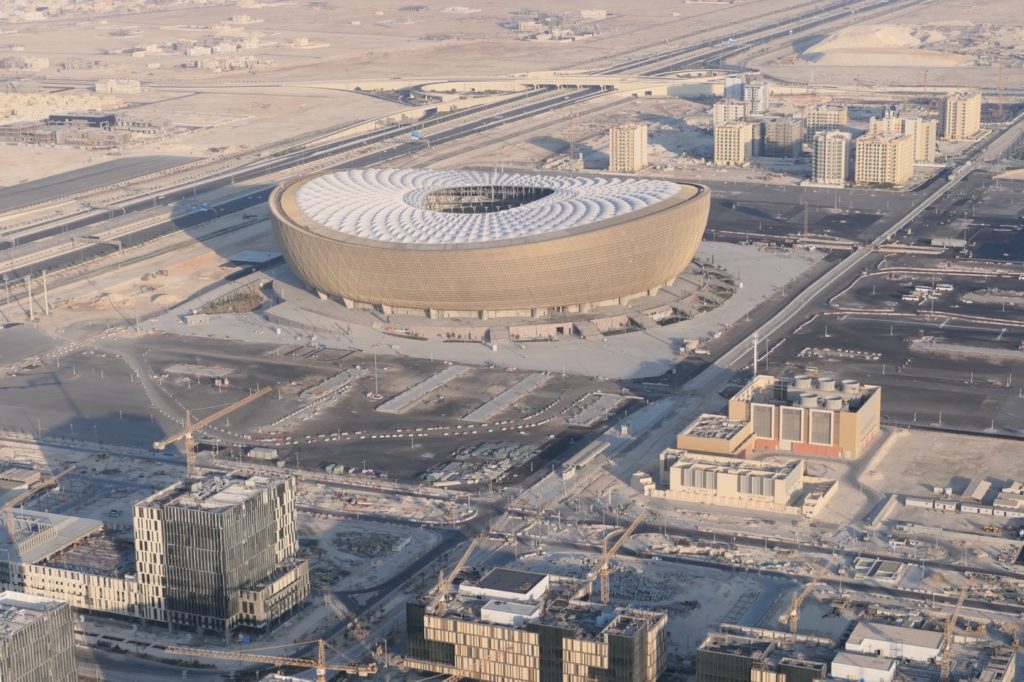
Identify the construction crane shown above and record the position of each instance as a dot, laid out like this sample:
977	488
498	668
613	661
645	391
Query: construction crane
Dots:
601	571
191	428
321	664
438	604
799	599
18	500
947	642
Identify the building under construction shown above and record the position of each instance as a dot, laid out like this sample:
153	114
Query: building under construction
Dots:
517	626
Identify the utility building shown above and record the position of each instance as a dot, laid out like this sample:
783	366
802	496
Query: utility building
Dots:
830	157
734	143
516	626
37	639
960	116
627	148
884	159
893	641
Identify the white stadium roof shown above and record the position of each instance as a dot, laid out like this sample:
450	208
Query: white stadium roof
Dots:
387	205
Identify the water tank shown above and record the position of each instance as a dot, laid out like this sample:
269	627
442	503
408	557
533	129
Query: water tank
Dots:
849	386
802	382
808	400
826	384
835	404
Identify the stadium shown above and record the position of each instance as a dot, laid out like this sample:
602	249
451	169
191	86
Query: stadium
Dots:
459	243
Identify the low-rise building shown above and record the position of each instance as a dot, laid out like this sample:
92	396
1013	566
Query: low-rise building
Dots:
894	641
862	668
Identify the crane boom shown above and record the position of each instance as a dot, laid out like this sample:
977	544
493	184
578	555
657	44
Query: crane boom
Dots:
444	582
608	553
191	428
798	600
947	643
320	664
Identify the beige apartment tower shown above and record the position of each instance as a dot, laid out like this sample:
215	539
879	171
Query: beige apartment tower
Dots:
627	148
961	115
827	117
921	131
830	157
884	159
729	110
783	136
734	143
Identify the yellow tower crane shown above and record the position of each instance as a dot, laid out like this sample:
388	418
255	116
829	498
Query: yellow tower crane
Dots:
601	571
438	604
947	642
320	664
18	500
191	428
799	599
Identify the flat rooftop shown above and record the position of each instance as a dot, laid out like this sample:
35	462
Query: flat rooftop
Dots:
823	391
894	633
212	492
864	660
18	609
714	426
510	580
42	534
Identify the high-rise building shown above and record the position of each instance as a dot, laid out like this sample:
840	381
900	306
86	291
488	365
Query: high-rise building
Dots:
733	87
830	157
755	94
734	143
921	131
884	159
728	110
724	657
220	553
37	639
627	148
827	117
783	136
960	117
516	626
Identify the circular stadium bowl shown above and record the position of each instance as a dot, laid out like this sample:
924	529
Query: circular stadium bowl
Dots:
463	242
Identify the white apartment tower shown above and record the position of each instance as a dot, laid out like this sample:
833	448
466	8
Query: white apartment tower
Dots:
627	148
961	116
755	94
830	157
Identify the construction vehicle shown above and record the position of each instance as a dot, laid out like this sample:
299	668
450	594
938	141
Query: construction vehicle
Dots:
321	664
793	617
190	428
601	571
947	642
21	498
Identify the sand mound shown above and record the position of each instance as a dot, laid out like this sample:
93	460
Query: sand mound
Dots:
867	37
881	45
891	57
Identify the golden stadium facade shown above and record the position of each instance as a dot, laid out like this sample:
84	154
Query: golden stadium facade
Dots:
459	242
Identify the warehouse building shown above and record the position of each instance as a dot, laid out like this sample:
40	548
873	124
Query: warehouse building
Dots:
516	626
862	668
893	641
37	639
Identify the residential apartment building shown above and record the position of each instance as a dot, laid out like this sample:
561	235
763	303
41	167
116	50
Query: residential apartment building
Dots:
627	148
733	88
783	136
884	159
921	131
756	94
827	117
728	110
734	143
960	116
830	157
37	639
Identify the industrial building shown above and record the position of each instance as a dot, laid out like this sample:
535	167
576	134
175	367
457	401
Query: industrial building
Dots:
884	159
809	416
217	555
830	157
782	488
517	626
960	115
726	657
734	143
478	244
827	117
862	667
783	136
921	131
756	94
893	641
627	148
728	110
37	639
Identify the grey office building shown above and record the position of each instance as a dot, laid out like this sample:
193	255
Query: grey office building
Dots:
37	641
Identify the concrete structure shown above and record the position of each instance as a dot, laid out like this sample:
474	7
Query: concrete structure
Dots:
627	148
37	639
1001	666
467	243
809	416
960	115
921	131
538	633
893	641
884	159
218	556
783	136
733	87
734	143
827	117
714	434
830	157
862	668
736	658
732	482
728	110
756	94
